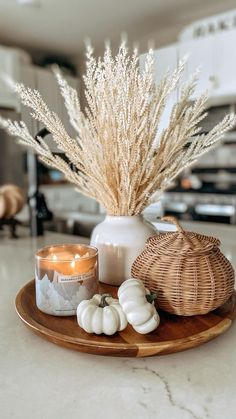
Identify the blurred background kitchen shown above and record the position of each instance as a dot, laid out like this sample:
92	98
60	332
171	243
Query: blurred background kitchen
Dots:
34	34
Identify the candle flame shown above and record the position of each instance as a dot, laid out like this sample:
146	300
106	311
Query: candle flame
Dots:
54	257
76	257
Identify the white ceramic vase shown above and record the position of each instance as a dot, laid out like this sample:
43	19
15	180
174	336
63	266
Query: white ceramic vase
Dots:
119	240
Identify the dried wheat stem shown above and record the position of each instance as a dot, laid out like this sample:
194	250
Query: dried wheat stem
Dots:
120	155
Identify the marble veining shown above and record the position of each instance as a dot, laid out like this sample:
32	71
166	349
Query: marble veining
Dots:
168	390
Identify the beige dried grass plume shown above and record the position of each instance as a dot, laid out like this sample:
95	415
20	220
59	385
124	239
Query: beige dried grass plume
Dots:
118	159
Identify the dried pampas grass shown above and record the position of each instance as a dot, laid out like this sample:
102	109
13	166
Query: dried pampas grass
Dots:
118	159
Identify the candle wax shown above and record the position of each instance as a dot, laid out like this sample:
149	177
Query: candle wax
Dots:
67	263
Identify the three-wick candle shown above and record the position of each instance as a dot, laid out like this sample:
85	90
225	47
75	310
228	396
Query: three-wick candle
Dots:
64	276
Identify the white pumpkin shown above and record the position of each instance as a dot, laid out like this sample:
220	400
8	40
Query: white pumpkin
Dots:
141	314
101	314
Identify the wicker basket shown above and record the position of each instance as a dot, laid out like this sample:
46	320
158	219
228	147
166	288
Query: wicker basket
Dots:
187	271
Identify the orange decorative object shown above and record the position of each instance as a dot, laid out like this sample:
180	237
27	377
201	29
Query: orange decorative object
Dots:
11	201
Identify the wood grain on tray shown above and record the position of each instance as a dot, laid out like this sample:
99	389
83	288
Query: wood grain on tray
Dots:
175	333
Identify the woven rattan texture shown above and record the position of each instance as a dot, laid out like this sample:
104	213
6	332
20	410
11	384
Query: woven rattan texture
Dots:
187	271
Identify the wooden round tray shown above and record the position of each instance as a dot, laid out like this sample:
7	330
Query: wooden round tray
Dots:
174	334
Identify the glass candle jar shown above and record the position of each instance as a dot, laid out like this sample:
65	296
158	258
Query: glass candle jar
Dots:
64	276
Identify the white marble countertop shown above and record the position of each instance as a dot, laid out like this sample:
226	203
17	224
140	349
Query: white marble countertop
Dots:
41	380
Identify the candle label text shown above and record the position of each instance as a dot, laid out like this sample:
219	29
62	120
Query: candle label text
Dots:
75	278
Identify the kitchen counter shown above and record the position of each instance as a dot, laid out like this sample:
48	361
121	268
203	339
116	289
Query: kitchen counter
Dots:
41	380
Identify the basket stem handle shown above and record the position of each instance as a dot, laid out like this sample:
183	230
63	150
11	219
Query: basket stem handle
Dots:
173	220
180	229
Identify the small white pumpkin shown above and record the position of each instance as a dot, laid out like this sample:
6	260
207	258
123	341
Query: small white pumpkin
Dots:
101	314
140	313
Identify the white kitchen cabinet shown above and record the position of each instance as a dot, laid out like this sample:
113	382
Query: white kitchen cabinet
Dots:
200	56
165	59
224	67
9	67
28	78
47	85
217	62
73	82
44	81
213	56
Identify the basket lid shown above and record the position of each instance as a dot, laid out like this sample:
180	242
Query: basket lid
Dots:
181	242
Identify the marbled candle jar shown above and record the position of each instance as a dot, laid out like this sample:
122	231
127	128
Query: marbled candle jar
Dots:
64	276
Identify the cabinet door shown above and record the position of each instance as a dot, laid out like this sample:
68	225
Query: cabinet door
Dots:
47	85
165	59
73	82
49	90
28	78
9	67
200	56
224	66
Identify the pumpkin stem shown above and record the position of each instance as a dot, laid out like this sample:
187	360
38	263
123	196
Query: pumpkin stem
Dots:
103	302
151	297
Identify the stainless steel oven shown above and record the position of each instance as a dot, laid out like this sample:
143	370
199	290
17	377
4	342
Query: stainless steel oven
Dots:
207	191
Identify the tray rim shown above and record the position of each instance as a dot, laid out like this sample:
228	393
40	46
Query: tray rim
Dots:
187	342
